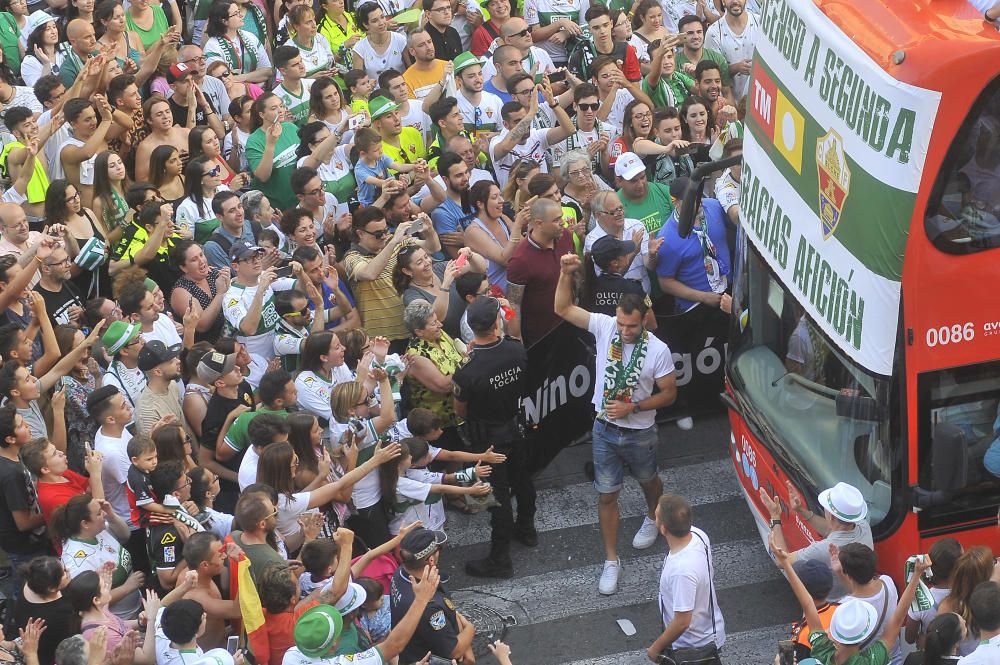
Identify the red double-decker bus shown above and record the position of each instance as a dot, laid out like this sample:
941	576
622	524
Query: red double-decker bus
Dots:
866	329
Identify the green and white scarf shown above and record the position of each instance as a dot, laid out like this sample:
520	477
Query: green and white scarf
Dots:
620	378
235	59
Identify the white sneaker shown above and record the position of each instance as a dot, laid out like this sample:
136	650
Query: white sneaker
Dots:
685	423
646	535
608	583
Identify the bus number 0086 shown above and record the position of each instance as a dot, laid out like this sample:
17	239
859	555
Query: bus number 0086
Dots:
951	334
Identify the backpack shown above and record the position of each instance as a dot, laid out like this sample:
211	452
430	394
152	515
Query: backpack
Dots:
225	243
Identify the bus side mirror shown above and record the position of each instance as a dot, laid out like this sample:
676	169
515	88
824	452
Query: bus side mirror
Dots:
692	197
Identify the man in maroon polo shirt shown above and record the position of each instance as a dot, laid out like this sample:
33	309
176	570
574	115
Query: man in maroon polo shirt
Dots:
533	272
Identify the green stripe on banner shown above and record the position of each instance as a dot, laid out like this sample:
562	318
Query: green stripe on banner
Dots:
875	220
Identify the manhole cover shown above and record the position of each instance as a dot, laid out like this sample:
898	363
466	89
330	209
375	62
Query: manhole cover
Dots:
491	625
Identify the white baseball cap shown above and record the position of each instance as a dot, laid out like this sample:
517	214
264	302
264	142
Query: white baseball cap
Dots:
853	622
628	165
352	599
845	502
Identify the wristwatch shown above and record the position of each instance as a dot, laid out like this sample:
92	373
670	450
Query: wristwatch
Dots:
775	523
636	408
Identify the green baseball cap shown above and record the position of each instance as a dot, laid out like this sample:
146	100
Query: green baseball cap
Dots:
119	334
317	630
467	59
380	106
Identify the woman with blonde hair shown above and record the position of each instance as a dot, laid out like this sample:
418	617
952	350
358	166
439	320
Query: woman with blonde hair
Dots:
354	425
515	192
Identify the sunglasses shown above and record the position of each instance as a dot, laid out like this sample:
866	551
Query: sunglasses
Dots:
589	107
308	312
213	172
522	33
378	235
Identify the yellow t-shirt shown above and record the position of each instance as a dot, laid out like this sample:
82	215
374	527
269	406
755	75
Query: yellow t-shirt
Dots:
411	148
420	82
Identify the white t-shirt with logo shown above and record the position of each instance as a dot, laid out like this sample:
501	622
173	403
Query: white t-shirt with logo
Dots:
366	492
544	12
720	37
658	363
79	556
371	656
534	148
236	305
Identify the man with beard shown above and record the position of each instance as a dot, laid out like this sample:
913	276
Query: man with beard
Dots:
450	216
480	110
708	85
427	73
693	51
532	59
630	361
734	37
403	145
591	133
162	395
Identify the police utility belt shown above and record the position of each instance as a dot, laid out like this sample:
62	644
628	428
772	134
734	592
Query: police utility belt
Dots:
482	433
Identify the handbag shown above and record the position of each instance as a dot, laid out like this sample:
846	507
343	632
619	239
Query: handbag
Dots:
707	654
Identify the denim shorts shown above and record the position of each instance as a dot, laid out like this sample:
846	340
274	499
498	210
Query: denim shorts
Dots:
615	447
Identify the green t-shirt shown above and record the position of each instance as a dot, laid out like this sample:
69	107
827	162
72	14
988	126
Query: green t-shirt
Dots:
653	210
236	437
9	36
277	188
151	36
297	104
351	641
823	650
708	54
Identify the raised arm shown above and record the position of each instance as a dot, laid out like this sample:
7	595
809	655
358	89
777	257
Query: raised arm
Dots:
564	307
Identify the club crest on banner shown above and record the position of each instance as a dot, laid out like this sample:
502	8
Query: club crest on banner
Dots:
834	180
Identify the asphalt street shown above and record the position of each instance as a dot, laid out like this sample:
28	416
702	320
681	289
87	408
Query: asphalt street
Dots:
553	595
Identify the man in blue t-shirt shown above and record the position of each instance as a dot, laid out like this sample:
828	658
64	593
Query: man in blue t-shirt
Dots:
450	217
695	269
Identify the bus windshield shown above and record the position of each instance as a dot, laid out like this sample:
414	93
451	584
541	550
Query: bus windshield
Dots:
821	413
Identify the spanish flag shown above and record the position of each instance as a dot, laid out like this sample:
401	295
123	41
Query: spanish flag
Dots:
779	117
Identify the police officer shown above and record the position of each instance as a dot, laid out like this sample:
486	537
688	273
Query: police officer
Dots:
487	394
442	630
612	256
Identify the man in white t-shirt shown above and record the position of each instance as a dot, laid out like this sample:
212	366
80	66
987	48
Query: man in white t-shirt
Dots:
728	187
137	305
629	362
520	141
985	606
734	37
112	412
688	604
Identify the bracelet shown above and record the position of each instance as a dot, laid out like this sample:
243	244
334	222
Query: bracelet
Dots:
40	262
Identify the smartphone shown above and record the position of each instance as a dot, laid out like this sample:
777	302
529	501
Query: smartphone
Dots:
416	227
689	150
461	261
355	121
353	206
538	79
357	427
557	76
232	643
653	45
438	660
786	652
283	271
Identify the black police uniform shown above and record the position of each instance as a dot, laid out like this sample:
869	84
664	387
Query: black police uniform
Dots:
491	383
437	630
608	290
